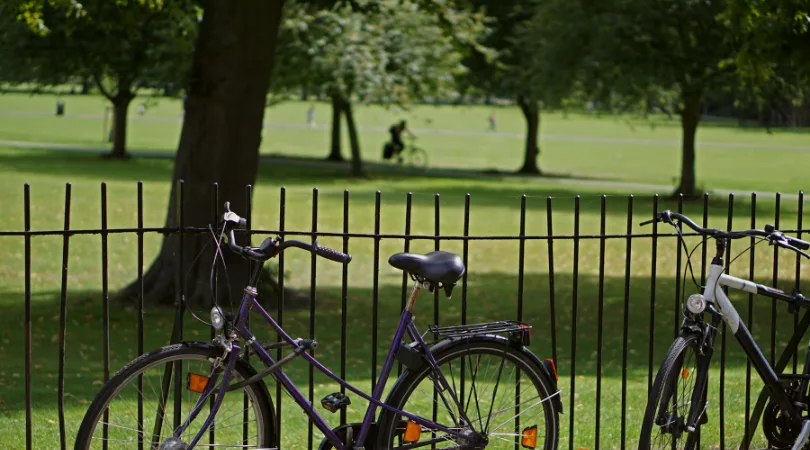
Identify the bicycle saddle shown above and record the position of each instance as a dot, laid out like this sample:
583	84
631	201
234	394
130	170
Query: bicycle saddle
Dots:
437	267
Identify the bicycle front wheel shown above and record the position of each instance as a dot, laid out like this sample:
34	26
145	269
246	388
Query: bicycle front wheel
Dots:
165	380
418	158
675	393
500	391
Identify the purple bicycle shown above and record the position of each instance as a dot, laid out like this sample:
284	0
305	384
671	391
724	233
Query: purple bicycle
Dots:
473	387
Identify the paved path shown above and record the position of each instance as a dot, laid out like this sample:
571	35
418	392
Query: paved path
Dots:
627	187
428	131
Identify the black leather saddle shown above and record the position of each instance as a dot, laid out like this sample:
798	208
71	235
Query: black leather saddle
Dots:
436	267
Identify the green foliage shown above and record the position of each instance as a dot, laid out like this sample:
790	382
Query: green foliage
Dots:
134	43
391	55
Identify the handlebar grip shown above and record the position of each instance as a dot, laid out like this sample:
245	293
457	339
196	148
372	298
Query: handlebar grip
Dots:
798	243
332	255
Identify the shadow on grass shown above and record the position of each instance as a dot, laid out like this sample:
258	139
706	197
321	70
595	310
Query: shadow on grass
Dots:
490	296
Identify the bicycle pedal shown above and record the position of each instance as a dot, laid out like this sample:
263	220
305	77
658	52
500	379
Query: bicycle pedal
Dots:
335	402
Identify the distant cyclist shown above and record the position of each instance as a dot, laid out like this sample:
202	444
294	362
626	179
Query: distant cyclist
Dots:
396	145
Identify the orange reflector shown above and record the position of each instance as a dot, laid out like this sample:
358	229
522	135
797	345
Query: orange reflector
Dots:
197	383
528	328
412	432
553	368
529	437
685	373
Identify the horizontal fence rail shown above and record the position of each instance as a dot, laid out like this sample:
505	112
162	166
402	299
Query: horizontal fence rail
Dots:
601	417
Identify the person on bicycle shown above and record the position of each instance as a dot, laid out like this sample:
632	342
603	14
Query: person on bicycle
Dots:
396	131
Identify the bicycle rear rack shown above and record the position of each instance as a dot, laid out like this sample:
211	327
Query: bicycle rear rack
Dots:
518	332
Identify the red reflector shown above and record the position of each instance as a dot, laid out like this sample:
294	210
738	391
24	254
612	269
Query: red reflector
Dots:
197	383
553	368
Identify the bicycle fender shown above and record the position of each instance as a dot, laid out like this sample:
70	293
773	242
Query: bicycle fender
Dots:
543	369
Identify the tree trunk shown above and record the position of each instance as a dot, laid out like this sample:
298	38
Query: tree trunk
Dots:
87	83
220	140
532	114
354	139
120	110
337	110
690	116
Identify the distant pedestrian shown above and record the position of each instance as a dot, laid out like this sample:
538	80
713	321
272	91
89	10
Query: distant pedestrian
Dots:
492	121
60	107
311	116
141	109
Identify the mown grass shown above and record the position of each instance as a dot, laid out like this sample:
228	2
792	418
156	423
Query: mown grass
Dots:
581	145
492	291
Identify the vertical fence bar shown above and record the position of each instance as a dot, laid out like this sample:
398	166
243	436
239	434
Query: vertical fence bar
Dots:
214	293
626	317
750	322
248	228
600	318
313	277
282	216
181	282
436	232
574	297
437	227
140	311
465	254
676	308
729	226
105	305
375	306
521	256
344	300
63	319
406	249
521	270
27	288
704	224
798	276
775	280
551	290
651	348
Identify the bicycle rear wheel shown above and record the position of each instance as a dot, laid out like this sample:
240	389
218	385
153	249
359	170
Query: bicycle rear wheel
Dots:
116	421
678	389
500	390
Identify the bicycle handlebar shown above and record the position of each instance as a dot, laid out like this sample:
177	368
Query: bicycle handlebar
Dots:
774	236
270	248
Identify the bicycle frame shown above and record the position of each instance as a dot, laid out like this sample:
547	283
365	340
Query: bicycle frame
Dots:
714	294
406	325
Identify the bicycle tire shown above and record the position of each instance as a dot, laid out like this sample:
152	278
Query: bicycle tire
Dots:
659	397
418	159
390	424
256	393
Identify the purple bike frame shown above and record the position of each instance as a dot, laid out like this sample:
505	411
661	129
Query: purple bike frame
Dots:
406	324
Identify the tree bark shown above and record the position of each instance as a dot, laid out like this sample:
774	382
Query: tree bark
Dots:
531	112
354	139
690	117
220	139
337	111
120	110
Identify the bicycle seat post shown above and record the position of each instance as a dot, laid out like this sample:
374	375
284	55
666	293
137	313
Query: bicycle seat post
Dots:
417	286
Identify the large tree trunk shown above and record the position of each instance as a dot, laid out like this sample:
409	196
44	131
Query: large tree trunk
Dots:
690	116
120	110
337	111
219	143
531	112
354	139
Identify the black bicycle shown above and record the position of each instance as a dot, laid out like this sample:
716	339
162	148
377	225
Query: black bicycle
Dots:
677	403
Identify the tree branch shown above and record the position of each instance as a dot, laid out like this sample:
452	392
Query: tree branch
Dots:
101	87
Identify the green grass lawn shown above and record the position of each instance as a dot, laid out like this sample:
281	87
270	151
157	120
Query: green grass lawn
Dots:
584	146
491	295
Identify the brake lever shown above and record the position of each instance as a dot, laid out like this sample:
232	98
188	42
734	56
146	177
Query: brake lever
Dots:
785	245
